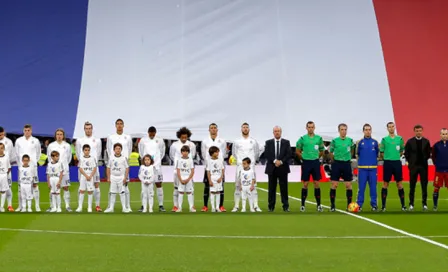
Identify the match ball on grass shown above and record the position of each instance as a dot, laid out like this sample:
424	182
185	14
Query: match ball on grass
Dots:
353	207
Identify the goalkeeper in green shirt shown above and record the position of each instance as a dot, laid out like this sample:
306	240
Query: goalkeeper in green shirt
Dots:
391	150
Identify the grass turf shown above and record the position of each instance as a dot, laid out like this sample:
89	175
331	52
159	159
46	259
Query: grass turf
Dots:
212	242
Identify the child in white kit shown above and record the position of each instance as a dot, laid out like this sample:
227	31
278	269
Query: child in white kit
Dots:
185	173
147	176
246	183
5	169
215	173
87	168
55	173
117	175
27	176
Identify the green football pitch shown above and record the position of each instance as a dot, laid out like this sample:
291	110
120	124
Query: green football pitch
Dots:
310	241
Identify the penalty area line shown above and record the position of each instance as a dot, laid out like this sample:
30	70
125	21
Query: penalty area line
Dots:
405	233
154	235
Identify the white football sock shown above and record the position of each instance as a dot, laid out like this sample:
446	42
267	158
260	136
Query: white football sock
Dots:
218	199
191	200
128	197
58	201
180	200
8	194
80	200
19	199
97	194
51	199
89	201
151	199
176	197
144	197
2	201
123	201
244	198
36	195
112	198
212	200
254	197
53	202
160	196
67	198
29	203
237	197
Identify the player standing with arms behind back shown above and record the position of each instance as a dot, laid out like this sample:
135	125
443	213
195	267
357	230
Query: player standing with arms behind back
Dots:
309	148
9	150
95	152
155	147
245	147
440	160
65	157
183	134
28	145
391	150
341	151
212	140
126	144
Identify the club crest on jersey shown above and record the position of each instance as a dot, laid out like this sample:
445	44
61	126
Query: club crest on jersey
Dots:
24	173
246	176
146	172
87	163
185	165
115	163
53	169
251	141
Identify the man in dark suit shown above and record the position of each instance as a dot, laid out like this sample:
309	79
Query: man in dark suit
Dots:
417	152
278	153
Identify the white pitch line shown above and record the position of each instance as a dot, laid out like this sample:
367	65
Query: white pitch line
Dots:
154	235
421	238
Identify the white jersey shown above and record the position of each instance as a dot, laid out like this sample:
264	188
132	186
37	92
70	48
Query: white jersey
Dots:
5	165
118	166
215	168
146	174
175	148
246	176
246	148
124	139
185	166
209	142
65	152
54	169
87	164
30	147
95	147
9	149
27	174
154	147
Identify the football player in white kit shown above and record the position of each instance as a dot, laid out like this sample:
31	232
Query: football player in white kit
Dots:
117	175
5	169
185	173
26	174
126	142
246	183
215	177
183	134
212	140
95	152
155	147
9	150
147	175
28	145
65	157
88	166
245	147
55	177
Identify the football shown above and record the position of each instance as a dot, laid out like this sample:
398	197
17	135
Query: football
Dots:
353	207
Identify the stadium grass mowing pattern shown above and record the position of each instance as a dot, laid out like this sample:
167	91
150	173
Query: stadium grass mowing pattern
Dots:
124	250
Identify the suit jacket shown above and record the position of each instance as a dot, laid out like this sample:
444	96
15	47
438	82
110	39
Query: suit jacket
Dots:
285	155
410	151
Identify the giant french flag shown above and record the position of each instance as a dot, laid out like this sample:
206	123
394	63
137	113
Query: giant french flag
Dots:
176	63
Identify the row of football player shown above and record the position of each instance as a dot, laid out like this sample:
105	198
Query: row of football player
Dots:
117	175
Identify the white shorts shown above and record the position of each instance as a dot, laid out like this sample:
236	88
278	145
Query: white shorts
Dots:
246	190
186	188
85	185
53	186
176	181
65	180
148	188
4	184
159	175
26	191
116	185
217	187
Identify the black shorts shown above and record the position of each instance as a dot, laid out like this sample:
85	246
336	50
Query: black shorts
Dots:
392	168
341	169
311	168
205	180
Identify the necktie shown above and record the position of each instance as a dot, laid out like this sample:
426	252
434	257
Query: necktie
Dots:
278	150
